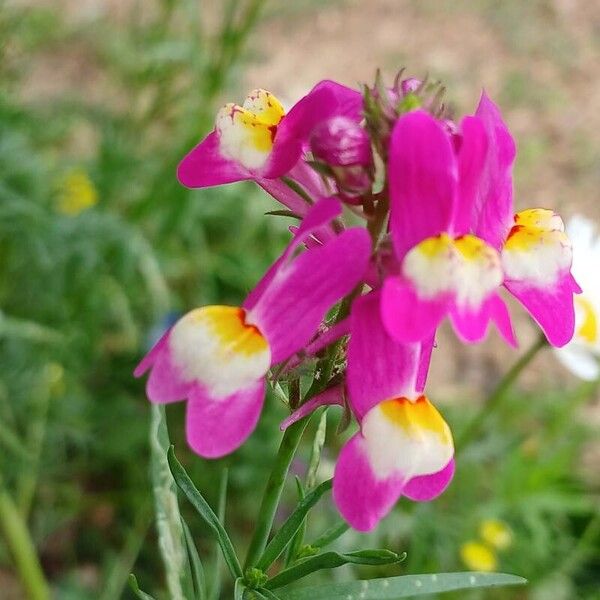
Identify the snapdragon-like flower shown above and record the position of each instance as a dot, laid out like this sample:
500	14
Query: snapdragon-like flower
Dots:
582	354
404	446
259	141
458	240
217	357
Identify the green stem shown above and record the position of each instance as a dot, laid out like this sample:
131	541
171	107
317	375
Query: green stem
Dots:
268	507
22	548
495	399
375	226
221	507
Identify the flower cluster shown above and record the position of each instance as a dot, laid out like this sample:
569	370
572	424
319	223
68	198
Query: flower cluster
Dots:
439	238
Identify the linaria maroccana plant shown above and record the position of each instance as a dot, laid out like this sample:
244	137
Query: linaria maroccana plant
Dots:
359	305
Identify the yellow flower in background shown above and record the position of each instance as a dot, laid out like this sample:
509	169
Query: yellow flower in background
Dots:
496	533
76	193
478	557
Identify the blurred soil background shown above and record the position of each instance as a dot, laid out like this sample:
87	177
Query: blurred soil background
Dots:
99	244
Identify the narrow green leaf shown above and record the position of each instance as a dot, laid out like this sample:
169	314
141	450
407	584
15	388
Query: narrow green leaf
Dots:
332	560
267	594
296	187
298	538
215	593
201	505
239	589
281	539
331	534
320	168
407	586
317	448
171	538
198	578
135	588
284	213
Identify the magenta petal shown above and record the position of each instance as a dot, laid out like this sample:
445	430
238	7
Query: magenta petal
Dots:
319	215
301	292
165	383
284	194
422	177
471	161
204	166
471	325
551	307
327	99
407	317
428	487
493	209
424	362
362	499
151	357
378	366
214	427
323	340
330	397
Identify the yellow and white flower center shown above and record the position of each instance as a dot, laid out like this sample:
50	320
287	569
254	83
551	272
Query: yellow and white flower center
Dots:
407	436
465	266
246	133
537	249
216	347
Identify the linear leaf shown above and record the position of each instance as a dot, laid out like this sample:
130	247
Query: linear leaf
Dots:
331	534
287	531
201	505
332	560
215	592
171	538
198	578
268	594
133	584
407	586
284	213
296	543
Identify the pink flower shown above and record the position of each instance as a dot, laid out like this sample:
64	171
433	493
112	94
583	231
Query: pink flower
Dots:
217	357
404	446
258	141
457	240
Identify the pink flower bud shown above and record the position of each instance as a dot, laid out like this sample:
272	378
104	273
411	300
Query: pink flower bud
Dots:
341	142
409	85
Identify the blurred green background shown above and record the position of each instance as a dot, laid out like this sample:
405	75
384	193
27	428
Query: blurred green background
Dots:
99	246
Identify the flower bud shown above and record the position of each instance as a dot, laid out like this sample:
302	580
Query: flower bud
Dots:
341	142
410	85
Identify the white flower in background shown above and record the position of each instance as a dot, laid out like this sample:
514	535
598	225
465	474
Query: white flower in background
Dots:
582	354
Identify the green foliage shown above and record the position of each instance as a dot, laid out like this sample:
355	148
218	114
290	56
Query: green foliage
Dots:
408	586
80	292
